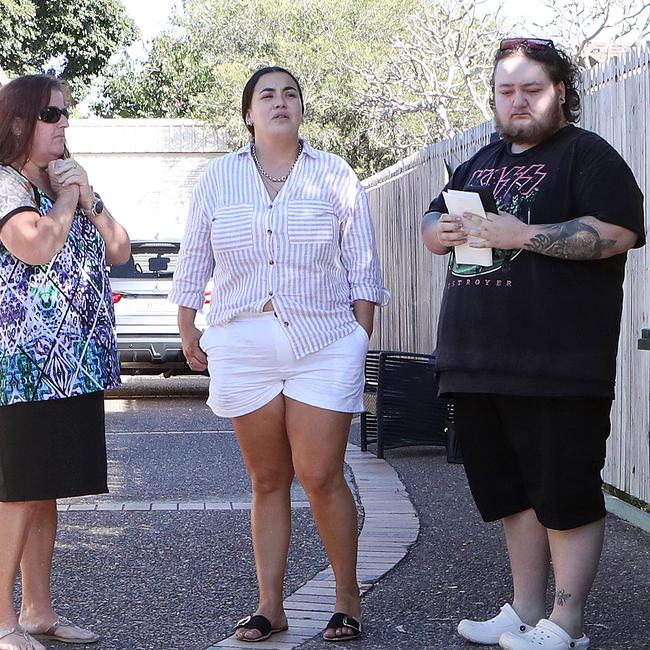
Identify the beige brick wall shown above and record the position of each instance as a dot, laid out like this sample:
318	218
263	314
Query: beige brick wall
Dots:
145	169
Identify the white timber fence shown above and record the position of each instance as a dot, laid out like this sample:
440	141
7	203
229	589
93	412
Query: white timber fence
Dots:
616	105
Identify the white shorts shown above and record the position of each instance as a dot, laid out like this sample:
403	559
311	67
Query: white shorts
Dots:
250	361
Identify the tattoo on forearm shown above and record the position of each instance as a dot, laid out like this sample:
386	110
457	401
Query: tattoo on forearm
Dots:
573	240
561	597
429	220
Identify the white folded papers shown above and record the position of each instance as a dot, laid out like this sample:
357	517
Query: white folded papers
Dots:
458	202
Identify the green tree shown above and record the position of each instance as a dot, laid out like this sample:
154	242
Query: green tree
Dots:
200	71
17	25
71	39
436	80
592	29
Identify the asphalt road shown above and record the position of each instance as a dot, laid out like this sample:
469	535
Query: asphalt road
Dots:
170	579
179	579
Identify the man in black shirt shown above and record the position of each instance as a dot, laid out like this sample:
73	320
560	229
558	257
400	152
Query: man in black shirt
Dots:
527	346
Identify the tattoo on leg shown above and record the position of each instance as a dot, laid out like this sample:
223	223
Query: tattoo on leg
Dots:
561	597
573	240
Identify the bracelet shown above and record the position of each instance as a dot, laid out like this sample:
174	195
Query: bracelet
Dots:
97	208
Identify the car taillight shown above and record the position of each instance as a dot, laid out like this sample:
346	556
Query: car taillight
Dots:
116	297
207	295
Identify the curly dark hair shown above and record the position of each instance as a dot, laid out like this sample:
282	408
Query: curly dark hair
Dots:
558	65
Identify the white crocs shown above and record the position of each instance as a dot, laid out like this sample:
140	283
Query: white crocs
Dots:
489	632
546	635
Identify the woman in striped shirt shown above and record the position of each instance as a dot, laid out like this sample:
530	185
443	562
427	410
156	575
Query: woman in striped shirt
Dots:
284	231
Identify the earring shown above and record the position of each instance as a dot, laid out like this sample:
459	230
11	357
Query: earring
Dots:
561	100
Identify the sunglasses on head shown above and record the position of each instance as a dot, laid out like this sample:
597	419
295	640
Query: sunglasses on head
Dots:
52	114
531	43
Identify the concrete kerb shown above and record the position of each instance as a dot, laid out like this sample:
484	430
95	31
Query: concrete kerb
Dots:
390	527
628	512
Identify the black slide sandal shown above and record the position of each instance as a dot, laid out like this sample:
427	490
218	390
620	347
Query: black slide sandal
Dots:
340	620
259	623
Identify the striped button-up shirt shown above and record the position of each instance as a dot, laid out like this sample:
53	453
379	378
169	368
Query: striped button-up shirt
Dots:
311	250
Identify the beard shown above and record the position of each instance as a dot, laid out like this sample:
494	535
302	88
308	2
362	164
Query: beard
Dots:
531	133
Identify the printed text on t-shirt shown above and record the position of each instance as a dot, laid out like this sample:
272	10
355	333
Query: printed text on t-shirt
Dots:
503	180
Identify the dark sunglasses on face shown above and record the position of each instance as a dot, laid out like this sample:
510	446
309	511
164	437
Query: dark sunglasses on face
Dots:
531	43
52	114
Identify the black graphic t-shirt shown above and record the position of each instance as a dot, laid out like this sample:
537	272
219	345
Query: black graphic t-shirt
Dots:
532	324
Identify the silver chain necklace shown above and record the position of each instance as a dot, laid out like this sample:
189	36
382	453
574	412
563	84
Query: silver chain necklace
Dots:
264	173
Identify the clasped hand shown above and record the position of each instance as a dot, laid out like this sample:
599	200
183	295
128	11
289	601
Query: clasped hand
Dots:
68	172
501	230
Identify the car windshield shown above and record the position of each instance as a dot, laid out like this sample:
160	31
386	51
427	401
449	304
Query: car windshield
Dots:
148	260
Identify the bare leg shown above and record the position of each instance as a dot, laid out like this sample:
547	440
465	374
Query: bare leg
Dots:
15	521
263	441
576	555
36	567
36	612
528	549
318	439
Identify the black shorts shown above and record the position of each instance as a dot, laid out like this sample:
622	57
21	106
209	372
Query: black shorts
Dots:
53	449
544	453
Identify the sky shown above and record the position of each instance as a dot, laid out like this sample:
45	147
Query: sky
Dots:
151	16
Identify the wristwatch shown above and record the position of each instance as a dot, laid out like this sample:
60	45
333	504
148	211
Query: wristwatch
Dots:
97	208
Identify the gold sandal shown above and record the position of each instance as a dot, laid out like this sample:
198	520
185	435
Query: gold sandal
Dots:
18	631
53	633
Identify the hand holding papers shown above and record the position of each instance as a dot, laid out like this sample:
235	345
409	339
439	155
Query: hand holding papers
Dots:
457	203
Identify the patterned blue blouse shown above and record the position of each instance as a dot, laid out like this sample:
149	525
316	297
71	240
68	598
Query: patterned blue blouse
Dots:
57	324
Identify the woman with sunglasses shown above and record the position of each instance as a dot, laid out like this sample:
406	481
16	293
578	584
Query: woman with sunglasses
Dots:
57	348
285	232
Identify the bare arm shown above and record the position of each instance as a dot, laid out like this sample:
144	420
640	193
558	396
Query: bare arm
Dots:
36	239
442	231
364	312
190	335
66	173
116	239
583	238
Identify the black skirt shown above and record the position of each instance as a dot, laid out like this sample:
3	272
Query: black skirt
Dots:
53	449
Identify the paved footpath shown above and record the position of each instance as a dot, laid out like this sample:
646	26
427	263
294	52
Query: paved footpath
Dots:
390	528
164	561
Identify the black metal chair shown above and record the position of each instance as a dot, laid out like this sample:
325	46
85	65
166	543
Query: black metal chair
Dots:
402	406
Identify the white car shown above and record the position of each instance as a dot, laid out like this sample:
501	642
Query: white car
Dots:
147	332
